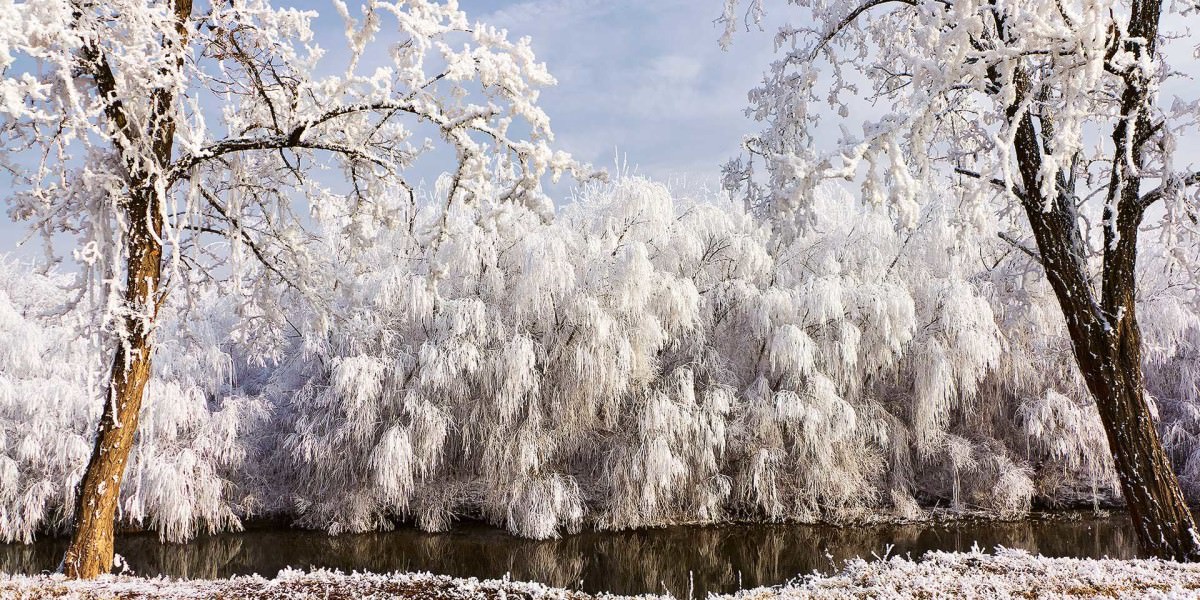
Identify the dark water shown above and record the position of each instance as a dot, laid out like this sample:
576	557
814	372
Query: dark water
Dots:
708	559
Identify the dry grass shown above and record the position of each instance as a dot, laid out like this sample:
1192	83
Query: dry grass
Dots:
939	575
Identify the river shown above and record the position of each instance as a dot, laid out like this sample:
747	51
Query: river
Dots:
683	560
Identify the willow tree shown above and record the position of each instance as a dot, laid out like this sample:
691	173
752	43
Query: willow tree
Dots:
1058	105
180	142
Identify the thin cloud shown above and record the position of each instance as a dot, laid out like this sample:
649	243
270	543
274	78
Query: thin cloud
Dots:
645	79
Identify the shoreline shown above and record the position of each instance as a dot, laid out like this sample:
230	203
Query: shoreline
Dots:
1005	574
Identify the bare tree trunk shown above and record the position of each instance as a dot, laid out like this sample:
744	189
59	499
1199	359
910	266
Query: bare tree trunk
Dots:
1164	524
1107	344
90	552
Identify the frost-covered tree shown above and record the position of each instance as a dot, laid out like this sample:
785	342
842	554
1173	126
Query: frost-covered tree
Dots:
645	358
182	142
1060	107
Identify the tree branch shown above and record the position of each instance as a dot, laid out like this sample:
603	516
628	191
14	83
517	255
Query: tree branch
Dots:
285	140
1034	254
848	19
95	62
249	241
998	183
1170	187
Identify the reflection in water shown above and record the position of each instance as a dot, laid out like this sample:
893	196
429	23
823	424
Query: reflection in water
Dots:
709	559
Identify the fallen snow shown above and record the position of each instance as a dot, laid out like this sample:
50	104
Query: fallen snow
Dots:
1006	574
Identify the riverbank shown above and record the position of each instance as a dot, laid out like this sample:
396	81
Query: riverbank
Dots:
1005	574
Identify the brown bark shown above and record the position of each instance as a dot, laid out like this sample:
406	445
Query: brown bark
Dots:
1160	514
90	552
147	154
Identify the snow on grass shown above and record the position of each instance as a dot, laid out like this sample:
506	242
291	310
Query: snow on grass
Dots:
290	584
1006	574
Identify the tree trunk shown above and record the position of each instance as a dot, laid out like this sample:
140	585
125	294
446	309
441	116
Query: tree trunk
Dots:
90	552
1108	348
1160	514
1107	344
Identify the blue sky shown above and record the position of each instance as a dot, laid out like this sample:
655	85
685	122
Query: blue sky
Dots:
646	78
642	80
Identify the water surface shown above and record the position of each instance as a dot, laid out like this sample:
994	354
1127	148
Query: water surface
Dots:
675	559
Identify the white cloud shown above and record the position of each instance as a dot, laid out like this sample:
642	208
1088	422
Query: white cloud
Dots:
647	78
551	13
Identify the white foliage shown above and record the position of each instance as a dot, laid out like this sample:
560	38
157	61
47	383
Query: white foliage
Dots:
196	431
643	359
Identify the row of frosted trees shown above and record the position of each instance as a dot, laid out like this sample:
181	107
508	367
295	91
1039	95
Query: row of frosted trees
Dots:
645	358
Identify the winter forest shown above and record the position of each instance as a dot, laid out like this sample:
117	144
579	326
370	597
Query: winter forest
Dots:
867	322
645	359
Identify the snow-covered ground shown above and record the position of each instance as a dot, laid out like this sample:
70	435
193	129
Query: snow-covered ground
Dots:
1006	574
